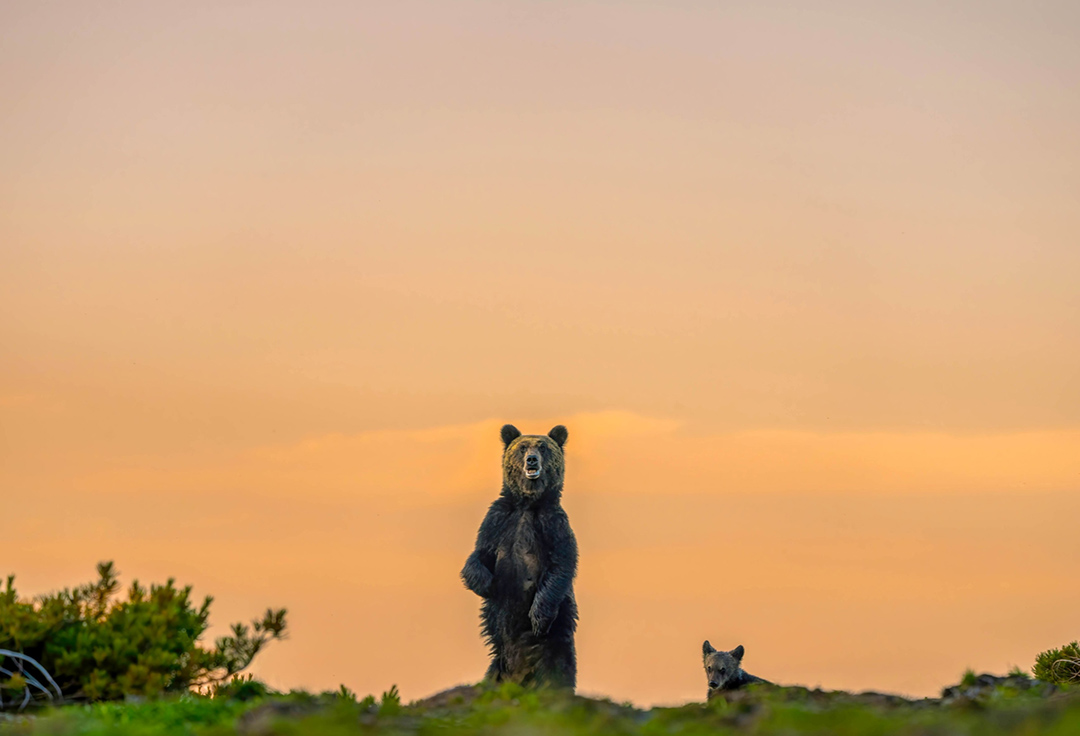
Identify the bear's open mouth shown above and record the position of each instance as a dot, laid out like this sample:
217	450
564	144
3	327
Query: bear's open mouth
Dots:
532	473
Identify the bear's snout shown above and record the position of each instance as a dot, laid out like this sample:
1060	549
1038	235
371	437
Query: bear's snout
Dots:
532	465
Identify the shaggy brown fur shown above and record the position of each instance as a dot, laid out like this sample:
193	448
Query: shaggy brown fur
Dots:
724	669
524	566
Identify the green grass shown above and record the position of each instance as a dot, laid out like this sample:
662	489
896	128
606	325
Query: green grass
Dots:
186	714
979	710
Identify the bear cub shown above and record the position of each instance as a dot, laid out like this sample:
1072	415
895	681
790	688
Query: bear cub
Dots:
724	669
524	566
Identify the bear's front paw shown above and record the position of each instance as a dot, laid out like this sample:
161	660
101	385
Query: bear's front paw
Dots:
540	623
478	579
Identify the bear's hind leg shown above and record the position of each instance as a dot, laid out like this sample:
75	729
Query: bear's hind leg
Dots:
558	662
494	671
489	627
558	667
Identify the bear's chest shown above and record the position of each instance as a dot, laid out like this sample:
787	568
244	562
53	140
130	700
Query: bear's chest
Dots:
519	555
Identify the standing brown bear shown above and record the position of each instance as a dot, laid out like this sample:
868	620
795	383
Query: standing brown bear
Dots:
524	566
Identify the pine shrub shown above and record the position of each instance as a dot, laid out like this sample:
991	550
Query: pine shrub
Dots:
1059	666
99	645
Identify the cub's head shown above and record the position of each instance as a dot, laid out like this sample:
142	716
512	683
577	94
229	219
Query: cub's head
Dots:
533	463
721	668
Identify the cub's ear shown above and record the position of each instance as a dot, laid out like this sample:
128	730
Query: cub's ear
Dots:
707	648
509	434
559	434
737	653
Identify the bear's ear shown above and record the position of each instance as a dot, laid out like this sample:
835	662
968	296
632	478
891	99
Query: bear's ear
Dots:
707	648
509	434
559	434
737	653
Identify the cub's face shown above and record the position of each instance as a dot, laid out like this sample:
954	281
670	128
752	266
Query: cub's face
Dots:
533	463
721	667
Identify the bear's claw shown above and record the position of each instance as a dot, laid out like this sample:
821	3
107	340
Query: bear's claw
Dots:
541	624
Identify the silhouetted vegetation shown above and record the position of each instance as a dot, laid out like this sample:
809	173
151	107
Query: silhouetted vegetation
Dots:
99	645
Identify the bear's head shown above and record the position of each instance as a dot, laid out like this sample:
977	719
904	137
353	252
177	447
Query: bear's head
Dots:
533	463
721	668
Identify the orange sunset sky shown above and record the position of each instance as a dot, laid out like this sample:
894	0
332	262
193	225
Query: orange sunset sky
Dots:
800	279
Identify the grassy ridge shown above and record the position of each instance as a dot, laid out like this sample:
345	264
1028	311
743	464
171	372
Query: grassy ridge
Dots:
978	706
